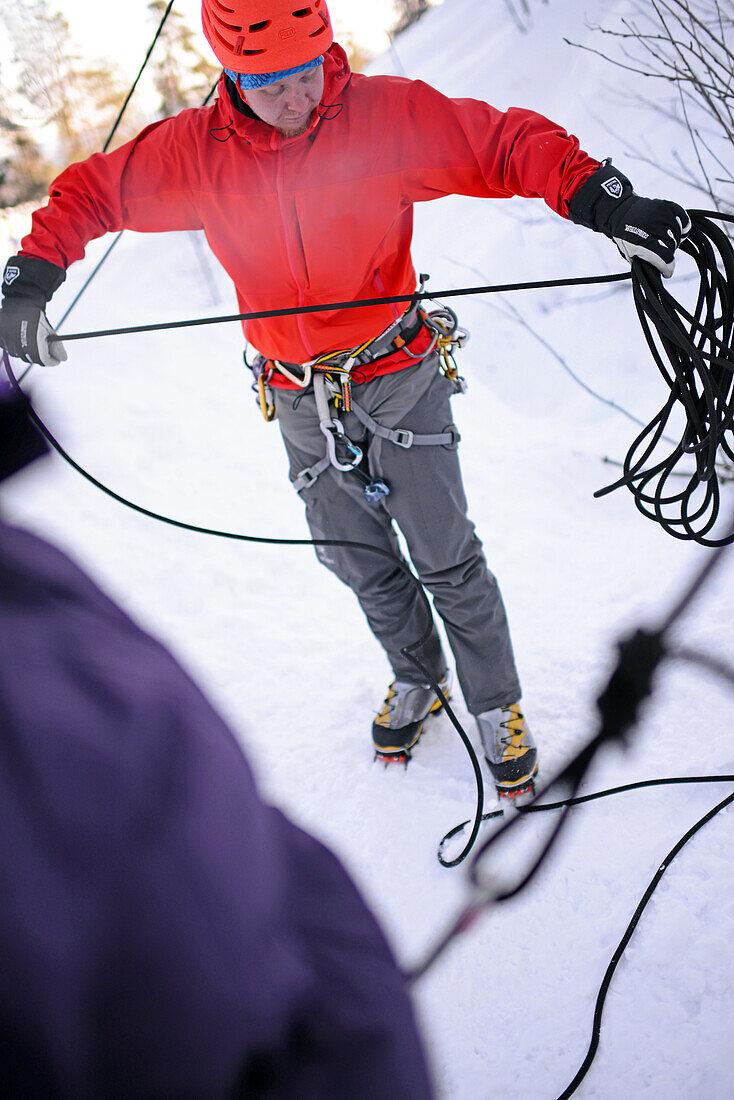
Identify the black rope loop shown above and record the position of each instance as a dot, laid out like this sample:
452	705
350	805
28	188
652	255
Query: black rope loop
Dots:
694	352
361	303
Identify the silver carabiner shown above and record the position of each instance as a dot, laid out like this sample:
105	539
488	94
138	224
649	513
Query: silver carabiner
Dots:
334	432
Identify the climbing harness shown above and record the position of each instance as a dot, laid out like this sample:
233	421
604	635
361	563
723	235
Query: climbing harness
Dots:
345	456
395	337
330	378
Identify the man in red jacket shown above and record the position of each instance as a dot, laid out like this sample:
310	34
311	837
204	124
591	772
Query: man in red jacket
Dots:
303	177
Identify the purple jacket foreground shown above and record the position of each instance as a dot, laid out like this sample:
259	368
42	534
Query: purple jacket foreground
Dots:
163	933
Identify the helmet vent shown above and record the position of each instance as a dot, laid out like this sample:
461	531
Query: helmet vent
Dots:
265	35
221	39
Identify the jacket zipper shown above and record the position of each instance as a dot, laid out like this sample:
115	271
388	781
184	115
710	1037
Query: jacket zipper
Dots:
377	280
289	236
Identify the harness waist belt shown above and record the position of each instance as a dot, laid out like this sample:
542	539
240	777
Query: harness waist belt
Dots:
395	337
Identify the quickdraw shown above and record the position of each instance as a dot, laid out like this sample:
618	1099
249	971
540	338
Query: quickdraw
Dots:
449	336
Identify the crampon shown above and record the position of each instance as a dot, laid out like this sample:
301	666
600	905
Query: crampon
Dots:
389	759
519	795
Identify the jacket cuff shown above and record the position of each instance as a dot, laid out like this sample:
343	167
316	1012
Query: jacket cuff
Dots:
596	199
31	278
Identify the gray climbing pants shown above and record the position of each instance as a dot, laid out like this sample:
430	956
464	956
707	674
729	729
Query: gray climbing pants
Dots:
428	504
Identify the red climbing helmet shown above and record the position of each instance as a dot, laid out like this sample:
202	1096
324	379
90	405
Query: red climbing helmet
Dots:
266	36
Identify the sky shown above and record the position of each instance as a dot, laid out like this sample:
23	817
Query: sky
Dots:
127	40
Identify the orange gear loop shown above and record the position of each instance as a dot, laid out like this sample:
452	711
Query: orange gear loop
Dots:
266	36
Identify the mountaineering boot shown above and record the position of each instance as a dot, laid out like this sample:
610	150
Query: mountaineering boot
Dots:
510	750
401	719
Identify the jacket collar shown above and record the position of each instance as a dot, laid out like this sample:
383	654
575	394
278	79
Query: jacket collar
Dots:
337	75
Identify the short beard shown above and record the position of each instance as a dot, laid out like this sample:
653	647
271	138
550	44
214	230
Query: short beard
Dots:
295	131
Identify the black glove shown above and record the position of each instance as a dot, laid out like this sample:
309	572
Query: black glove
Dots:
650	229
25	332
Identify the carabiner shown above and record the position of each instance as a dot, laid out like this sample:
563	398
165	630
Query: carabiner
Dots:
267	408
336	436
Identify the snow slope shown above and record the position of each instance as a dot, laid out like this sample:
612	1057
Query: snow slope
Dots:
169	421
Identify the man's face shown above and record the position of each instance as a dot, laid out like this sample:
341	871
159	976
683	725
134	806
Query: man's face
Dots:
289	104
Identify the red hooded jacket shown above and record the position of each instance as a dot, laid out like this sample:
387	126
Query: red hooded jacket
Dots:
323	217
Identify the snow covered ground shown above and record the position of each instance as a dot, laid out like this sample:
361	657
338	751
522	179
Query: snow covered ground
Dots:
168	420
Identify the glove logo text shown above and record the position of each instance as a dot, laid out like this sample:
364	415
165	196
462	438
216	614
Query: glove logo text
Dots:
613	187
11	274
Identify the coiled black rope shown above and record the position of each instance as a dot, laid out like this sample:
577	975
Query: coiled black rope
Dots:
694	351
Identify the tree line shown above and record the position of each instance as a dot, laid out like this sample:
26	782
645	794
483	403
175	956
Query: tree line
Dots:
57	106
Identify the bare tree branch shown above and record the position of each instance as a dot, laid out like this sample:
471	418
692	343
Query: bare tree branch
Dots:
705	28
686	44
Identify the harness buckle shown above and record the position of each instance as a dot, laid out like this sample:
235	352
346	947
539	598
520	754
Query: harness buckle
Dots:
336	437
306	479
402	437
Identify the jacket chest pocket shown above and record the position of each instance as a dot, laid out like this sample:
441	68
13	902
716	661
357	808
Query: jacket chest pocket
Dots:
347	230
